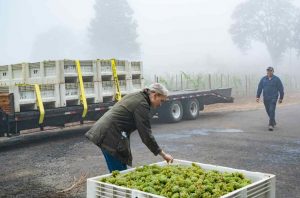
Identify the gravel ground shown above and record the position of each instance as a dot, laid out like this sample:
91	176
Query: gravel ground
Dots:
237	139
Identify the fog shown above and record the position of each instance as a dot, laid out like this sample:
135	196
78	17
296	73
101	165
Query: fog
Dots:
174	35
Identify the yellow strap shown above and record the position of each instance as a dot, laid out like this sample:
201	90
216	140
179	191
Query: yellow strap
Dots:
82	93
116	80
39	103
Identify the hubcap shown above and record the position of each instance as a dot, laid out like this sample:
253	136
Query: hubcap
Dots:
176	111
194	108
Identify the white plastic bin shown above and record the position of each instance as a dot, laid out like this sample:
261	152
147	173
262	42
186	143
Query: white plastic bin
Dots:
262	186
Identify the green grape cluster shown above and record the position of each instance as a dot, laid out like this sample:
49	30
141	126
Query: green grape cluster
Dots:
176	181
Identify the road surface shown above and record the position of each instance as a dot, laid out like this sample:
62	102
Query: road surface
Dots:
237	139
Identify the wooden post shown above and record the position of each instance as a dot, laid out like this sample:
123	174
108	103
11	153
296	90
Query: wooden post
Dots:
221	80
209	81
246	85
187	83
228	81
249	85
181	83
176	82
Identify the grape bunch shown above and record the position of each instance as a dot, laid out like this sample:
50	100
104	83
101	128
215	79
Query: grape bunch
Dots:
179	181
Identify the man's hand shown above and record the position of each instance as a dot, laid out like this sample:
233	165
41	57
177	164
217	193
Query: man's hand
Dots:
280	101
166	157
257	99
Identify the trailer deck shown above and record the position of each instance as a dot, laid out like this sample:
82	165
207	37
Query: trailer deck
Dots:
13	122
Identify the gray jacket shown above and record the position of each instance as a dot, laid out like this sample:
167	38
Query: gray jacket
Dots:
112	131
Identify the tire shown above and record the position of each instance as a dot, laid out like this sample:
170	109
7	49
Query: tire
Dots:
171	112
191	109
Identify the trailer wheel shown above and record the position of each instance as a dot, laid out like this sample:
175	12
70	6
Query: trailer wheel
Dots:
171	112
191	109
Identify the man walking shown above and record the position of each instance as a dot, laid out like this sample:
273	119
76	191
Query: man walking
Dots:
272	88
112	131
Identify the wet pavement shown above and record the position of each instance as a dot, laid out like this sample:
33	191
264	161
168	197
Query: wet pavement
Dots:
233	139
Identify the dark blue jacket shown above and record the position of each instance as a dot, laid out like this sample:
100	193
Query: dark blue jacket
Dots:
271	88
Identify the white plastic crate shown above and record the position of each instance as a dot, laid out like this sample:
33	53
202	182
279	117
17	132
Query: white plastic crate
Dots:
34	70
18	71
69	68
71	89
4	75
46	72
26	95
122	67
262	186
137	84
4	89
12	74
90	89
88	68
136	67
50	69
33	74
52	72
61	72
108	88
48	91
104	67
122	84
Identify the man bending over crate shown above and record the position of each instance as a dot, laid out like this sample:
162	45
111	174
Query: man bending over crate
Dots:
112	131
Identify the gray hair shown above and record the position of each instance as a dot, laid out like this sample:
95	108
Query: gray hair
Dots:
158	88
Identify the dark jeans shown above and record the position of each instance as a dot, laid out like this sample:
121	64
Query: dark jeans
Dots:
113	163
270	106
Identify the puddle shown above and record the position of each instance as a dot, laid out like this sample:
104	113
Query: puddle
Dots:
195	132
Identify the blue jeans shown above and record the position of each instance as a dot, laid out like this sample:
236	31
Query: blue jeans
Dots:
270	106
113	163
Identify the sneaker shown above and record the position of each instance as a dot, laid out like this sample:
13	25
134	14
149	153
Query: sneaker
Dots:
271	128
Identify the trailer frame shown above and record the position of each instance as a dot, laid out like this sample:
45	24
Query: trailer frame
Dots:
11	122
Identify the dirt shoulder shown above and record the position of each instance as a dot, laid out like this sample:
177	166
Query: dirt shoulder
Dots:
247	103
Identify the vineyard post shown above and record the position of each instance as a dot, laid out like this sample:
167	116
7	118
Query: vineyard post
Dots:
176	81
221	80
209	81
228	82
246	79
181	83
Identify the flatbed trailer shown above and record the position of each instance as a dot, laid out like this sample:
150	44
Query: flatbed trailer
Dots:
179	105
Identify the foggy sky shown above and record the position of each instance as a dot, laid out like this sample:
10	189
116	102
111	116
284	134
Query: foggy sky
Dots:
175	35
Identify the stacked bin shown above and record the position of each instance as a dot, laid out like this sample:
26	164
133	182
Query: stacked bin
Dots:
59	82
12	74
44	74
69	89
106	80
137	79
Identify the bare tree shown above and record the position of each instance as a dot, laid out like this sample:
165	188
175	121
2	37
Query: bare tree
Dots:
271	22
113	31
